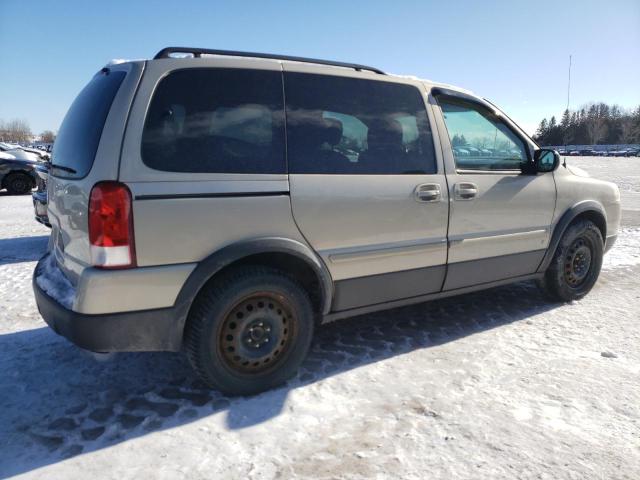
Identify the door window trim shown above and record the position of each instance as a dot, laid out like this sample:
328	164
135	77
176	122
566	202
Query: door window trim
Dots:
440	92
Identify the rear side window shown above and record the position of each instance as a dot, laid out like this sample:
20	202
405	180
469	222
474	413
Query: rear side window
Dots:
216	121
79	135
339	125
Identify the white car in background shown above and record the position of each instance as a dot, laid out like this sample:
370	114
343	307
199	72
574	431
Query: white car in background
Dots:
20	153
43	154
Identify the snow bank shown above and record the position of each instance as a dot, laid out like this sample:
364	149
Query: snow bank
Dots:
626	250
54	283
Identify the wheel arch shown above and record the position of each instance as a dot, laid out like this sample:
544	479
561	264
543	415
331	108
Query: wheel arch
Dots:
283	253
588	209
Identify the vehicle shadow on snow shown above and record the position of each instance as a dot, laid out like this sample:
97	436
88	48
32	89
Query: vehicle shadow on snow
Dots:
66	402
22	249
4	193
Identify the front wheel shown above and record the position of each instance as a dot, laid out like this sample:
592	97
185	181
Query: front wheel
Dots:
249	330
576	264
18	183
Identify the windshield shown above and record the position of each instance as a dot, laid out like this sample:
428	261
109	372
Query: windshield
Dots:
79	135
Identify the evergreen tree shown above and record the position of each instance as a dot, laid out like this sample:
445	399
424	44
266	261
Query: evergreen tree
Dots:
542	130
595	123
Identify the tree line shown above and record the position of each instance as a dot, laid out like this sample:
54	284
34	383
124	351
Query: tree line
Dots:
19	131
592	124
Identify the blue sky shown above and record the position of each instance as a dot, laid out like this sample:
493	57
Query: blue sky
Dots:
513	52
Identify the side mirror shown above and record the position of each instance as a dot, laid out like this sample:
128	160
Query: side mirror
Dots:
546	160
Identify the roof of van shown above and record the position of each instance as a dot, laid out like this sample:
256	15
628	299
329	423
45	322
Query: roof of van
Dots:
170	52
190	52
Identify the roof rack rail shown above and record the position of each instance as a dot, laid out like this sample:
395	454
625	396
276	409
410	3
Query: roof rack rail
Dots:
198	52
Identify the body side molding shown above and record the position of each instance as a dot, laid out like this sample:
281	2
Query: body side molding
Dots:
424	298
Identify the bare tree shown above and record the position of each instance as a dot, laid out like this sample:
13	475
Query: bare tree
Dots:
596	123
16	130
596	129
47	136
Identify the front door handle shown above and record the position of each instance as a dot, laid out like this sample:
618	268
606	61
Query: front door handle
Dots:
428	192
465	191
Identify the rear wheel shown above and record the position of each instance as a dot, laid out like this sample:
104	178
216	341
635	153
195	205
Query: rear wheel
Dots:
18	183
249	330
576	264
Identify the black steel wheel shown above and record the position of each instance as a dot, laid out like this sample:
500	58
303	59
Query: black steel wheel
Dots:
249	330
257	333
576	264
18	183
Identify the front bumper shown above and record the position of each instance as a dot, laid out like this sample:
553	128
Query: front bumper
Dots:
145	330
610	241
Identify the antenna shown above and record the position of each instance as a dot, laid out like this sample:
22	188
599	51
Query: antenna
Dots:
569	84
564	163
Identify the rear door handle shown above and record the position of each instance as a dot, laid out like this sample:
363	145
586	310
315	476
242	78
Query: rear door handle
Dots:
465	191
428	192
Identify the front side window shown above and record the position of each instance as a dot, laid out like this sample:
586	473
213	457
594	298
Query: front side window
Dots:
216	121
479	139
341	125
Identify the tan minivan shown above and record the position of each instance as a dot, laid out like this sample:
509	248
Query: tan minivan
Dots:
225	203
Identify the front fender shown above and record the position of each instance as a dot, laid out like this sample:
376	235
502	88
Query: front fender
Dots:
565	220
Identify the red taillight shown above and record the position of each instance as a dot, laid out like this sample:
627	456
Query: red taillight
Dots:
111	226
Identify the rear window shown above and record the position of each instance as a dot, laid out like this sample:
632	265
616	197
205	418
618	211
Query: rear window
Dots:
79	135
342	125
216	121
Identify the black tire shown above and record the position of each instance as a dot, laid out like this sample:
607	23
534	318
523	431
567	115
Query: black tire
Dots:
576	264
18	183
220	335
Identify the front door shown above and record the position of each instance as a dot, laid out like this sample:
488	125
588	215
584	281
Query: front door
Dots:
366	190
500	217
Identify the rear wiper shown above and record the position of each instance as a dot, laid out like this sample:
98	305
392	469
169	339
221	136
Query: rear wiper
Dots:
63	168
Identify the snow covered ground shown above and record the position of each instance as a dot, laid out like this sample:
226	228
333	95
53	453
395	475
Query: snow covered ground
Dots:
497	384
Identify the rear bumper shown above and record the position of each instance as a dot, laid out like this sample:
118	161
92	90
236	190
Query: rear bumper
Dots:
145	330
40	207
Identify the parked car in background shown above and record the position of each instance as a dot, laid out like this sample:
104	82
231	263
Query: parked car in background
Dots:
43	154
17	175
20	153
40	195
45	147
473	151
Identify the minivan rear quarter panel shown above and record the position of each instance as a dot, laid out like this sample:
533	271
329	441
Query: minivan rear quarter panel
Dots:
183	217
